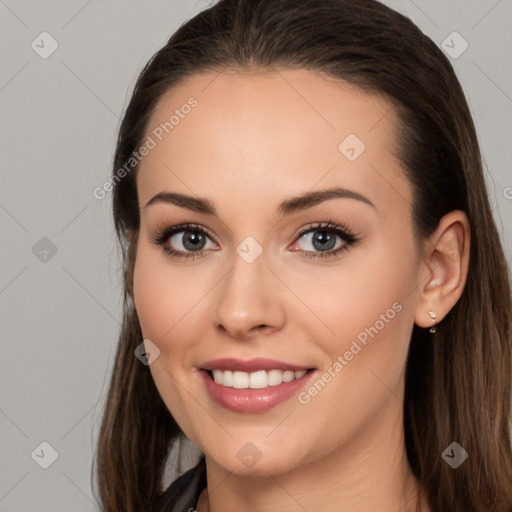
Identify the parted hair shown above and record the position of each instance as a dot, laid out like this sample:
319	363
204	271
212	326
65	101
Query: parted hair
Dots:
458	382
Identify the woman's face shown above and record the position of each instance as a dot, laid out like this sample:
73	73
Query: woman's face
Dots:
269	281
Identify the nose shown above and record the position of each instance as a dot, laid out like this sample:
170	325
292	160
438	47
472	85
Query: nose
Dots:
250	301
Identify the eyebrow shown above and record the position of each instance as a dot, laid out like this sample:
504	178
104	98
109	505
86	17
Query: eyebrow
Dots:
294	204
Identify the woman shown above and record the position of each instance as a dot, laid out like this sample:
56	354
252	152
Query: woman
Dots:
315	288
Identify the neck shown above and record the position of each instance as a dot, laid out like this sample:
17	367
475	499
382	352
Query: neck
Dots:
368	472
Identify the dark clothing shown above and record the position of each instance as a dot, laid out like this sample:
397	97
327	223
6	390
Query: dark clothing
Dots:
183	493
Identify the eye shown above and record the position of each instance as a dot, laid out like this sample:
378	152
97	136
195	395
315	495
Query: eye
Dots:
327	238
324	239
184	241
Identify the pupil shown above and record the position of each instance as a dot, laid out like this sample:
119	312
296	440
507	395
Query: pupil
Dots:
327	240
193	238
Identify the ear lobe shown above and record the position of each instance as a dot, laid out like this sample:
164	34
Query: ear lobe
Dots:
443	271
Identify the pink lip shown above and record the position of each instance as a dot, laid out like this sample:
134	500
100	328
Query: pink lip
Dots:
253	400
251	365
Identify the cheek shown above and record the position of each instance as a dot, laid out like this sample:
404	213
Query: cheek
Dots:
162	295
162	304
171	308
149	301
367	283
367	311
369	306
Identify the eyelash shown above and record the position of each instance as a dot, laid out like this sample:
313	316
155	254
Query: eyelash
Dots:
162	236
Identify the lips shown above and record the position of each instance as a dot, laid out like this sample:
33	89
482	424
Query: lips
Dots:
251	365
249	400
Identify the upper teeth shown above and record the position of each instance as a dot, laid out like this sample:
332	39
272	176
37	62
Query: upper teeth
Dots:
255	380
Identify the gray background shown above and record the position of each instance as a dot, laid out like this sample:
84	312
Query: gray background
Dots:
60	316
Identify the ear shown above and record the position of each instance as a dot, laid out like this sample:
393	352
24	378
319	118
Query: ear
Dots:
443	270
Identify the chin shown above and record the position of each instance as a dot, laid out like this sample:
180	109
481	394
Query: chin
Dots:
249	461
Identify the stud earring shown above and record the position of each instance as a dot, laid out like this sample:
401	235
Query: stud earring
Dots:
433	316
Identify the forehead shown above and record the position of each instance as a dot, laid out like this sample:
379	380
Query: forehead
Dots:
251	137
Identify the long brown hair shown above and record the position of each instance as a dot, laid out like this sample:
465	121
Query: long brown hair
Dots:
458	383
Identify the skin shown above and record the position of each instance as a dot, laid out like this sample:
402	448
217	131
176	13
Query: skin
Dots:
255	139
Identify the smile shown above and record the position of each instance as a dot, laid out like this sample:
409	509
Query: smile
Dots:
255	380
271	388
